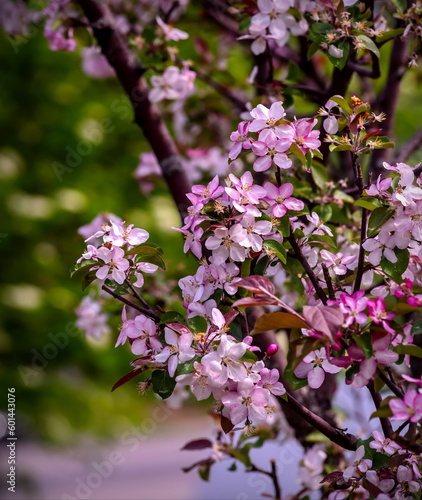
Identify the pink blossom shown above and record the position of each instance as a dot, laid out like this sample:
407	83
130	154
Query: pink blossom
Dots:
115	263
305	137
272	14
227	357
91	318
259	36
144	331
270	149
241	140
379	315
264	118
359	466
339	262
270	380
380	246
60	38
380	188
95	65
248	402
199	381
171	33
352	306
142	267
318	226
119	235
408	408
254	230
225	243
281	200
314	366
406	483
212	191
178	350
384	444
173	84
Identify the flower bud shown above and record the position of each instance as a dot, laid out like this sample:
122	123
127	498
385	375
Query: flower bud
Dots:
271	349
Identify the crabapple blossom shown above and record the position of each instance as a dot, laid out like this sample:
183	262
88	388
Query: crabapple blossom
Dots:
270	380
314	366
280	199
241	140
318	227
270	149
408	408
339	262
225	243
171	33
115	263
384	444
143	330
173	84
178	350
304	136
91	318
248	402
360	465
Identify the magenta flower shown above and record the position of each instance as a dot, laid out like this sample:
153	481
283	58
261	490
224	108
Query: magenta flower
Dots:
378	314
212	191
115	263
144	331
281	200
352	307
408	408
305	137
225	243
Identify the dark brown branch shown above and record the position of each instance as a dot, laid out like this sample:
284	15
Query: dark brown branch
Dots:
343	439
409	147
385	421
388	100
147	115
390	384
147	312
305	264
271	474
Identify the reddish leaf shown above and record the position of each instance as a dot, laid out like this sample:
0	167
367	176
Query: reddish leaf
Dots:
206	461
256	284
127	377
177	327
324	319
230	316
333	477
226	424
254	301
197	444
278	320
375	132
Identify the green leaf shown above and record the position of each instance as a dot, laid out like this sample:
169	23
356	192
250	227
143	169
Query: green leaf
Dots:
341	147
172	317
88	279
261	266
244	24
284	227
295	149
162	383
413	350
382	413
417	328
198	324
319	175
369	44
317	437
313	48
278	320
152	259
378	217
277	248
323	240
396	270
364	342
401	5
324	212
294	382
368	202
340	63
341	101
145	249
388	35
83	267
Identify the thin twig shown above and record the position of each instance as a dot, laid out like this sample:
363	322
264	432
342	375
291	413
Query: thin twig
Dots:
329	282
376	398
147	312
390	384
305	264
409	147
136	294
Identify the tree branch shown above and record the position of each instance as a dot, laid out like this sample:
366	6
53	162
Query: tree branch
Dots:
147	115
343	439
147	312
409	147
376	398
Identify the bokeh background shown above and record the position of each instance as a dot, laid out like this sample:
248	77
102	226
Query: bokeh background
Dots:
51	115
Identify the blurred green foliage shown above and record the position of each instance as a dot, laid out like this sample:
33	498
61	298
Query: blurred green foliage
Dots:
49	107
